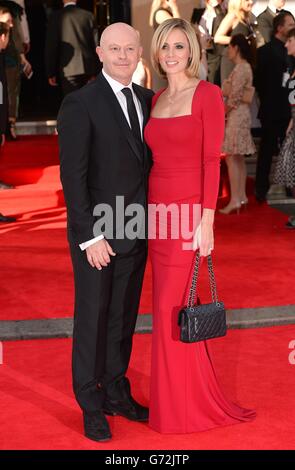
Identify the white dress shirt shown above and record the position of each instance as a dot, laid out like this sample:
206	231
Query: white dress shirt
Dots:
117	88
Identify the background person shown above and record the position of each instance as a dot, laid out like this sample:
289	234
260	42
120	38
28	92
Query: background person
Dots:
265	19
238	141
71	40
274	110
162	10
236	21
285	167
4	39
209	23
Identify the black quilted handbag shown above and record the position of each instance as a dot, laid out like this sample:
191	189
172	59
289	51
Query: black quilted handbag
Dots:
200	322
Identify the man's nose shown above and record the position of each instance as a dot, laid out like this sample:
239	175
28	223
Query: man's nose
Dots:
122	53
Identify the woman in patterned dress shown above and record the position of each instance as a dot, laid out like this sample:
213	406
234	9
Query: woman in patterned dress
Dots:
285	168
238	141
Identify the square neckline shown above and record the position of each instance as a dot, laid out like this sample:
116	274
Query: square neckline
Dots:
181	115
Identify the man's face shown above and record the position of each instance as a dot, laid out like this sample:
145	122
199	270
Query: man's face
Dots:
288	24
279	4
120	52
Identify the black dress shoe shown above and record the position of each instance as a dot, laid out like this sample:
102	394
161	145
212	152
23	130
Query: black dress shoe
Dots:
6	219
128	408
291	223
96	427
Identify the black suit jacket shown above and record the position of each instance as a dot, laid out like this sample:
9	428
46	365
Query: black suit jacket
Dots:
272	62
100	159
70	43
265	24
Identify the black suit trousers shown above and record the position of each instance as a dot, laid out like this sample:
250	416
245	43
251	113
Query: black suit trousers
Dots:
106	307
272	135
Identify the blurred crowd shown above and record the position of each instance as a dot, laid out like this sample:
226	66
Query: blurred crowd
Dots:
251	58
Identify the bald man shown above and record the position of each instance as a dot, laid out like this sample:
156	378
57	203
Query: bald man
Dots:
103	156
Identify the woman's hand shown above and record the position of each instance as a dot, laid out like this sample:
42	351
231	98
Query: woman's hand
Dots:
228	108
204	239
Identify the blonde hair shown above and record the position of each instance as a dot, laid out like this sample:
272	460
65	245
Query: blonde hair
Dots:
235	6
155	5
160	36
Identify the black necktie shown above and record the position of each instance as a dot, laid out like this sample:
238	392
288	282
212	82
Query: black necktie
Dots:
133	117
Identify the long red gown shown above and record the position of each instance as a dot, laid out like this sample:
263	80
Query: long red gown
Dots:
185	396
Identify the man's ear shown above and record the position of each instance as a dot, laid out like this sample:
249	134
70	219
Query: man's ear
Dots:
99	53
140	51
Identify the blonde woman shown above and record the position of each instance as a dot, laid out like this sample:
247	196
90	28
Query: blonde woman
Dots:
237	21
185	133
162	10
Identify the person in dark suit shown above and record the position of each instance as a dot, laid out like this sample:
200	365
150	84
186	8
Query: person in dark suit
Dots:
265	19
70	47
4	39
274	110
103	156
209	23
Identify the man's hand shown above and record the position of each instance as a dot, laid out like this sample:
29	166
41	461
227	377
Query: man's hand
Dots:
98	254
52	81
27	47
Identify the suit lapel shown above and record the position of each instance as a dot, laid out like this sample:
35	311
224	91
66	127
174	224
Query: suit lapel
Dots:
119	115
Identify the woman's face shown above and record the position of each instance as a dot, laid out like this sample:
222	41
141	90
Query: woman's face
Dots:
290	46
232	52
247	5
175	52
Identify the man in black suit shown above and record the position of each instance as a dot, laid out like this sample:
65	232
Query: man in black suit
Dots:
265	19
103	156
274	111
4	39
70	47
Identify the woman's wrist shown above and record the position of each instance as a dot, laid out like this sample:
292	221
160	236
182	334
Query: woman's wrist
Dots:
208	217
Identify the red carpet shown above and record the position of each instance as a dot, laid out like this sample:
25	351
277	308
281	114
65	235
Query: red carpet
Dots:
254	254
39	412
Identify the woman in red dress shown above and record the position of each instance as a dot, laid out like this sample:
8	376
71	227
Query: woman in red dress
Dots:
185	134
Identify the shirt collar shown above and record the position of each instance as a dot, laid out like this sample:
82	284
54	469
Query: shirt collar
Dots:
272	8
114	84
70	4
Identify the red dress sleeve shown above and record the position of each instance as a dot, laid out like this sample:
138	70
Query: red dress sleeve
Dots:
213	118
